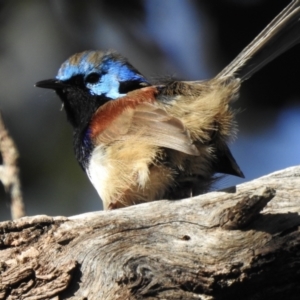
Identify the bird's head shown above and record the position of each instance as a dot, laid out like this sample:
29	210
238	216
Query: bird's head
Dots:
89	79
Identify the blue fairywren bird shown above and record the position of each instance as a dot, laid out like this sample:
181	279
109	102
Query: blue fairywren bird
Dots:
141	142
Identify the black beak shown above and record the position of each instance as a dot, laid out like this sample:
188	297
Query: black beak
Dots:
53	84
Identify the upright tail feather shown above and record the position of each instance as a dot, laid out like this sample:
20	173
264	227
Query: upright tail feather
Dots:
279	36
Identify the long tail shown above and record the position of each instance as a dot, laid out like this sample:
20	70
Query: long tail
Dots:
279	36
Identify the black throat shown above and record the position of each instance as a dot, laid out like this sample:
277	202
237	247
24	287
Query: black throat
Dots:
80	106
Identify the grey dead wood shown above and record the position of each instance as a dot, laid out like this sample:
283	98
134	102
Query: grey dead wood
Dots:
243	243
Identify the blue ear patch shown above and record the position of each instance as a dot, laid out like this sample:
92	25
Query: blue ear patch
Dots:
114	73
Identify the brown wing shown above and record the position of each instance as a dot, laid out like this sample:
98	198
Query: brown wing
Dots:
151	124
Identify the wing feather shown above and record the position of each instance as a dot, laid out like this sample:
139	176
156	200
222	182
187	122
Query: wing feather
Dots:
149	123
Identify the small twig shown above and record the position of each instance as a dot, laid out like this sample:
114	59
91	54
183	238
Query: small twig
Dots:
9	172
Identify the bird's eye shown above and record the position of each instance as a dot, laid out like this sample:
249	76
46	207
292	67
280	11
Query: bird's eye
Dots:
92	78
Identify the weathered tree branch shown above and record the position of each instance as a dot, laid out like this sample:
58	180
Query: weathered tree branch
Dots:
240	244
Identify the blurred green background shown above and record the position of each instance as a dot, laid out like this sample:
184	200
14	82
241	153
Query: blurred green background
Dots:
183	38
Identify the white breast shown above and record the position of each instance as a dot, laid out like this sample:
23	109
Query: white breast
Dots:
97	171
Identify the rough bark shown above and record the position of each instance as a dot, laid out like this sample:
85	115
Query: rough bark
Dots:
242	243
